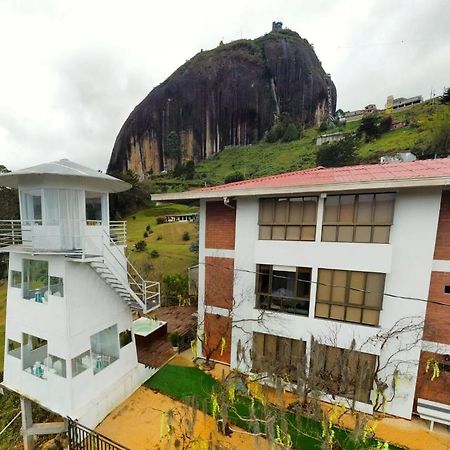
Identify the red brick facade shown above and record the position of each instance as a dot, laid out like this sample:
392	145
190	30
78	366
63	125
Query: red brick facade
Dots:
437	390
437	319
442	248
219	282
220	226
217	327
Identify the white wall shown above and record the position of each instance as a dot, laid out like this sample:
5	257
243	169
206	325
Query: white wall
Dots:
407	261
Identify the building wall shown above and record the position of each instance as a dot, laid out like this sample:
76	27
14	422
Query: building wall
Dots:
407	267
220	226
89	305
219	282
218	341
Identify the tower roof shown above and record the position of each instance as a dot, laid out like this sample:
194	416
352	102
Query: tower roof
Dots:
64	168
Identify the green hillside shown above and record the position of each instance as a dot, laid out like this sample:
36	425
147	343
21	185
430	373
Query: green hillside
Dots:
268	159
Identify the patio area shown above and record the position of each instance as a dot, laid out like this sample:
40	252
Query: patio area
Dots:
154	349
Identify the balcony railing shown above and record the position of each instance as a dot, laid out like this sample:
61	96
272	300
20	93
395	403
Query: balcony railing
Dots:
34	235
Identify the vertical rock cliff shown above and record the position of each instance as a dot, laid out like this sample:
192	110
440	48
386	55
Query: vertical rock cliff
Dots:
230	95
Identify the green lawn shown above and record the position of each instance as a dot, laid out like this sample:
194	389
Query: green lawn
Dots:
187	383
167	239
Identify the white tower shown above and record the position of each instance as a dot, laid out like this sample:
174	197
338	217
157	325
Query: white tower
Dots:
69	344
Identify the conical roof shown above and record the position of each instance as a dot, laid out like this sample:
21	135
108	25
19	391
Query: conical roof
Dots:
64	168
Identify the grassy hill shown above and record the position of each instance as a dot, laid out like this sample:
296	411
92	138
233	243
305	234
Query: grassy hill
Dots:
268	159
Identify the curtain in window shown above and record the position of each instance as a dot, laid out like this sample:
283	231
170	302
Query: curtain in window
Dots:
27	208
51	210
69	206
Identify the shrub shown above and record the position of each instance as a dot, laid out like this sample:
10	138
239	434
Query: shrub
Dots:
338	154
140	246
174	339
154	253
145	234
291	134
186	236
134	217
174	287
148	228
160	220
194	247
159	237
233	177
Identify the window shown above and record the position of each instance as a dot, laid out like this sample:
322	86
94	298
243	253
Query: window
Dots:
32	207
350	296
93	208
283	290
56	365
34	355
125	338
290	219
278	355
16	279
447	289
14	348
56	286
342	372
104	348
358	218
35	281
81	362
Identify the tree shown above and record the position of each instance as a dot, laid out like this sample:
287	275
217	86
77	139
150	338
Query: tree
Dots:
369	127
446	96
284	129
337	154
173	146
440	138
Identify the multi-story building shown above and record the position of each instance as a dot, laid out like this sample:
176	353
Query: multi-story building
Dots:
333	261
69	340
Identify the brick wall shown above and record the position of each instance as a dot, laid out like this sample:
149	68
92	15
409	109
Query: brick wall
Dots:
219	282
220	226
437	390
442	248
437	319
217	327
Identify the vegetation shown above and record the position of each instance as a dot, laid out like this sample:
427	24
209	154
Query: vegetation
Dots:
336	154
292	430
173	146
284	130
234	177
141	246
175	288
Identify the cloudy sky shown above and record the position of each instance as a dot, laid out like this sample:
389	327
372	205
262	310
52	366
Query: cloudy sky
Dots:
72	71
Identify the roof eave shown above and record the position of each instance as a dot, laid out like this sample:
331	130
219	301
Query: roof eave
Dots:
309	189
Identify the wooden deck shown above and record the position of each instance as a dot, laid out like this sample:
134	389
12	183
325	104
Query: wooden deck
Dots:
179	320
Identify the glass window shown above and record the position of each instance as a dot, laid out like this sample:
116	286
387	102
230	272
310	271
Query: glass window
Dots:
32	207
93	208
34	355
81	362
16	279
56	365
278	355
342	372
290	219
283	290
104	348
125	338
14	348
35	280
350	296
56	286
358	218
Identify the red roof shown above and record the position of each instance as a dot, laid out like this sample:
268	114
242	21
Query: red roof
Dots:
349	174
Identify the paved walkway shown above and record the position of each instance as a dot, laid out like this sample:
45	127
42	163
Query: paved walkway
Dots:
137	423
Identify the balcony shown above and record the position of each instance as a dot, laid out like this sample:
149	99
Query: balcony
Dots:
72	238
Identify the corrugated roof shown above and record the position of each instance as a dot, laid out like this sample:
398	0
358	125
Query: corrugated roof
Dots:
348	174
65	168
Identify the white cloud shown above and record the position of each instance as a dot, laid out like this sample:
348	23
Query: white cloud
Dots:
72	71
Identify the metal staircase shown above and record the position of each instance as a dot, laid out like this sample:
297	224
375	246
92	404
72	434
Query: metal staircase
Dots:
137	293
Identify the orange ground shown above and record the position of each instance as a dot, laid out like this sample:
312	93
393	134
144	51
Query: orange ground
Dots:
139	424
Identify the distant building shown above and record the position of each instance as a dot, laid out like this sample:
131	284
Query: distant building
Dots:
191	217
401	102
277	26
398	157
360	113
332	137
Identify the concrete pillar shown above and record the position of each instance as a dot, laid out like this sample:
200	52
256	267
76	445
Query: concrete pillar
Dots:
27	423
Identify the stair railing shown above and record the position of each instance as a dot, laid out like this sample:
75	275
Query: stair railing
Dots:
147	292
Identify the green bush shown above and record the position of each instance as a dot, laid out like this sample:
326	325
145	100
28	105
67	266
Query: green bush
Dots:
337	154
140	246
186	236
174	287
160	220
148	228
145	234
154	253
291	134
159	237
234	177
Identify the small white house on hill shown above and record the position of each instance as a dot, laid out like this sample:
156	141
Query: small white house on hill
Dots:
71	292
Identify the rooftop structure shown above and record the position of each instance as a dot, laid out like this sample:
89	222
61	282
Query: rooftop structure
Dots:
301	270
